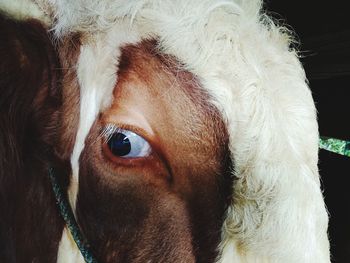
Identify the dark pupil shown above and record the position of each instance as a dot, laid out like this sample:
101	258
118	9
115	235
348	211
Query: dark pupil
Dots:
119	144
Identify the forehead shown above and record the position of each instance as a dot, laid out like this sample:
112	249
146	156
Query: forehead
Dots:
162	74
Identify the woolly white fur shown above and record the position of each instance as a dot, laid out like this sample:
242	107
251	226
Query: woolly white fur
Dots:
244	61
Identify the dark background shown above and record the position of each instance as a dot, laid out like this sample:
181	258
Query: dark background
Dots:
323	29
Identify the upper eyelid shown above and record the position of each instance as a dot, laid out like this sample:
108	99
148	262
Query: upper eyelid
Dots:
110	128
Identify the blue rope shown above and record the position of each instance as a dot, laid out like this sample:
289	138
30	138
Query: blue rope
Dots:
68	216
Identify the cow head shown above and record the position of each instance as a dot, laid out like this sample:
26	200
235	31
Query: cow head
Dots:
188	131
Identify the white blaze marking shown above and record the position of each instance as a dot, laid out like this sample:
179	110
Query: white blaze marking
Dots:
97	75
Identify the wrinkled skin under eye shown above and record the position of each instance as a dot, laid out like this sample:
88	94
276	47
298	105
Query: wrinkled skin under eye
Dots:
127	144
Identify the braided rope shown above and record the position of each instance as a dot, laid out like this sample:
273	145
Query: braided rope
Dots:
341	147
68	216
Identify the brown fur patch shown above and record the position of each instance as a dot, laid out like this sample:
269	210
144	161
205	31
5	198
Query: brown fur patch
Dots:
29	103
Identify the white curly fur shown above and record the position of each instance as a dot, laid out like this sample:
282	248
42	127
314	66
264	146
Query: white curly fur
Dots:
245	62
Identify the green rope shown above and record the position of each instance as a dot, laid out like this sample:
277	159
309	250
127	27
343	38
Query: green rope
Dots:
68	216
335	145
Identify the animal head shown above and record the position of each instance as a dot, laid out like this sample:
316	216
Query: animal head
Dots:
190	133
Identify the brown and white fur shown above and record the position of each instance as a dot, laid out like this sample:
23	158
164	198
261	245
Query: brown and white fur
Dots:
129	210
215	89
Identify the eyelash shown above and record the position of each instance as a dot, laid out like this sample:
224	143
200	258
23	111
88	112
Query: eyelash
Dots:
108	131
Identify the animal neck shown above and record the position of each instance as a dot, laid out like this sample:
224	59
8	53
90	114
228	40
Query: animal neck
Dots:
28	111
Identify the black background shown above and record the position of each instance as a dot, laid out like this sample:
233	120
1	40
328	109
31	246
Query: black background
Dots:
323	29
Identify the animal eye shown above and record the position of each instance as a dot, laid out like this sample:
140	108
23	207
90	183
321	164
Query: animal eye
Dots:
127	144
